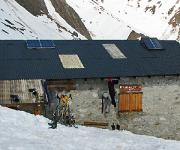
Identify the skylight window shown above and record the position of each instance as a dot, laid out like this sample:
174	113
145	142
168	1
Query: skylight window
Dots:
114	51
71	62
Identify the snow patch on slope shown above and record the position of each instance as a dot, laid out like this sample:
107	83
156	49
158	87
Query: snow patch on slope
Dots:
23	131
100	23
114	19
58	19
17	23
149	17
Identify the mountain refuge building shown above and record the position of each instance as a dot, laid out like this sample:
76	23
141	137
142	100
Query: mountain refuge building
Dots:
143	73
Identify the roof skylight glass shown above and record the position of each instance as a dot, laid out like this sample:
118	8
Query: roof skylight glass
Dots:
114	51
71	61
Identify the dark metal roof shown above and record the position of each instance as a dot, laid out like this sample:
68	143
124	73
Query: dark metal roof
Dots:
19	62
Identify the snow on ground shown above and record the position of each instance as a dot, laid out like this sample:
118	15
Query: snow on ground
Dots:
17	23
23	131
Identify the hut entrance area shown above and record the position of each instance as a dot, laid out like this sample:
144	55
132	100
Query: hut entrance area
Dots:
98	96
160	103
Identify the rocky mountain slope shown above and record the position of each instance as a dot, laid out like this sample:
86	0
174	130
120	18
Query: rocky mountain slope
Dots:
89	19
40	7
32	19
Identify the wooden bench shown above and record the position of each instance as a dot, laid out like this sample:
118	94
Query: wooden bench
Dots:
103	125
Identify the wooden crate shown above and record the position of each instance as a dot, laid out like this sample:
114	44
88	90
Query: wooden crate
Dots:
129	102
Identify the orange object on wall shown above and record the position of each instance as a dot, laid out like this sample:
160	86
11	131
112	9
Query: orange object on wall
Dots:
130	98
130	88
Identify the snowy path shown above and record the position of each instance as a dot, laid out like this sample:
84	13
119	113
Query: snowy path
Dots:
23	131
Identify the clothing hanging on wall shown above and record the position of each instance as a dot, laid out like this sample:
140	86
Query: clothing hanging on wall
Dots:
112	92
106	102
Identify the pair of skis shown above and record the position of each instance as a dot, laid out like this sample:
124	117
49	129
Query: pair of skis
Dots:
63	116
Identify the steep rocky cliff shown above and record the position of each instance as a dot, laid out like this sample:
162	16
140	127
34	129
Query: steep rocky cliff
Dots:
38	7
71	17
35	7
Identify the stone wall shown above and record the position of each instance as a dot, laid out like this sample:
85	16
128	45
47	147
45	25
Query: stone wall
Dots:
161	105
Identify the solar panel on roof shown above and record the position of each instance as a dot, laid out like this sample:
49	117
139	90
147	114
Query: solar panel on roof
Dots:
156	43
151	43
47	44
40	44
33	44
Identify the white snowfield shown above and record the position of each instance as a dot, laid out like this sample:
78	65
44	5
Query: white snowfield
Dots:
100	22
150	17
23	131
115	19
